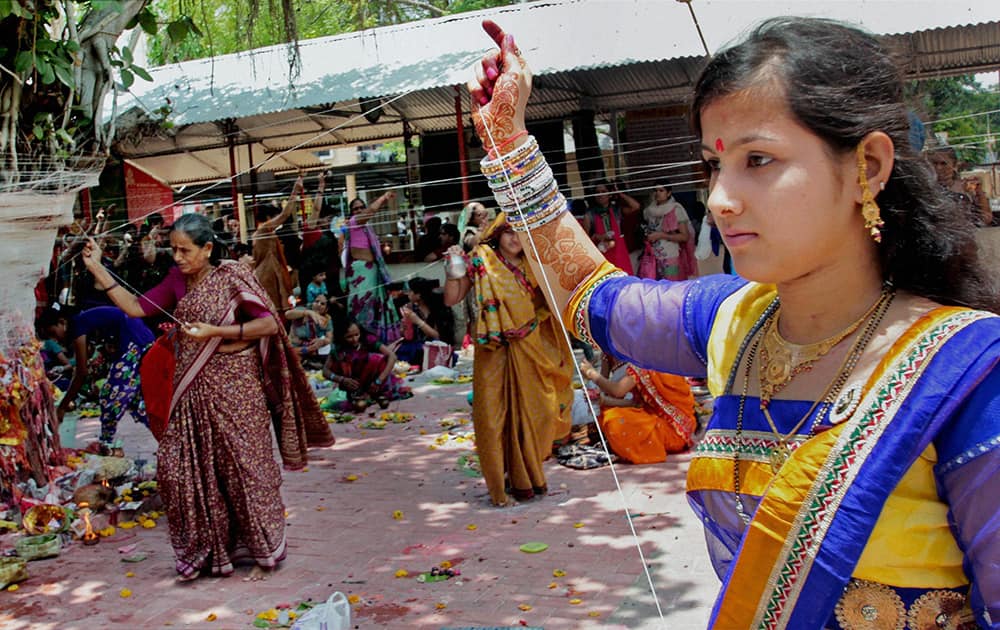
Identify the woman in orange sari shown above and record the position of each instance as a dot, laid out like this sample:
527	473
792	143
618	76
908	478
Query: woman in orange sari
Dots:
522	372
659	419
236	376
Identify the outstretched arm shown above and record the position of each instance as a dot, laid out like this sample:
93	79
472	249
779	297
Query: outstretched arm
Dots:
286	210
313	219
500	91
364	215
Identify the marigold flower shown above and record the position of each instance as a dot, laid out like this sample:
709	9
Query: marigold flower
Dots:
125	593
130	574
558	573
402	573
577	525
353	599
397	515
12	588
471	527
525	607
575	601
211	617
445	565
440	605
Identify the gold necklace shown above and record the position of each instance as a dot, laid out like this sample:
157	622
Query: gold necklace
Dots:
780	453
782	360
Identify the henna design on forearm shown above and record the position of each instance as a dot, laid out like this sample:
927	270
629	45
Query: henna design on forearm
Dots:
559	249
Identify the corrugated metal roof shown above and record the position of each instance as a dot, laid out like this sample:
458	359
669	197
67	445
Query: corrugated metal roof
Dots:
594	54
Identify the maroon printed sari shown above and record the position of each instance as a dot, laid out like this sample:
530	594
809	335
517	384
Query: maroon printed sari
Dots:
217	472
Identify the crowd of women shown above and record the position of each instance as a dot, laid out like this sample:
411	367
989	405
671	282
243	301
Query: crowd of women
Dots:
847	475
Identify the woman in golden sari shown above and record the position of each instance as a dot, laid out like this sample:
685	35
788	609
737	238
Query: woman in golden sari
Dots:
236	376
849	475
522	369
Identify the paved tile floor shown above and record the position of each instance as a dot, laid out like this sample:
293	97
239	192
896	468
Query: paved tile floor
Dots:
343	537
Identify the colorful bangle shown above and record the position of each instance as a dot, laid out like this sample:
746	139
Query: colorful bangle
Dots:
537	223
499	162
514	161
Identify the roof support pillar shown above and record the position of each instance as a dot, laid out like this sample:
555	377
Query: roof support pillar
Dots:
462	158
229	128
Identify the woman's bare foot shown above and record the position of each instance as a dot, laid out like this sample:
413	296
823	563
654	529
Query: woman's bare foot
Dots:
257	574
184	579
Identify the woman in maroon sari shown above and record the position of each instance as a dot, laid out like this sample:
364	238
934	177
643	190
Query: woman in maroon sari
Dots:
236	375
362	366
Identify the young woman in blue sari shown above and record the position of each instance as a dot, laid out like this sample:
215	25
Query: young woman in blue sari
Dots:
848	477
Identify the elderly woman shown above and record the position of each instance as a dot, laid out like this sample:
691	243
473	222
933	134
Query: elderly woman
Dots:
236	376
522	368
850	472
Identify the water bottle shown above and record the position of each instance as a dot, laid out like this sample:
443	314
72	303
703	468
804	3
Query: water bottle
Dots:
454	266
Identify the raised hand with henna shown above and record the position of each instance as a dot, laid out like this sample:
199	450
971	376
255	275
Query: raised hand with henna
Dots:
500	92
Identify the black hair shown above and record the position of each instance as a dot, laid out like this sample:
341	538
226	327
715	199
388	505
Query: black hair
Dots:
841	84
441	317
49	317
198	228
350	206
265	211
450	229
341	325
433	225
590	190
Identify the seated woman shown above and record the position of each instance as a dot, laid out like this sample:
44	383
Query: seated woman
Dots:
362	367
425	318
51	328
311	331
659	419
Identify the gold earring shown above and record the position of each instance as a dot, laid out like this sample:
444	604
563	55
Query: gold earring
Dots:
869	209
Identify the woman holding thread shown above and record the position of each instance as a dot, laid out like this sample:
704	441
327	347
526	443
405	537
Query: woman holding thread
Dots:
522	367
236	376
851	467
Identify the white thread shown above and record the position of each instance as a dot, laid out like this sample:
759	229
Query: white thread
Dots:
590	405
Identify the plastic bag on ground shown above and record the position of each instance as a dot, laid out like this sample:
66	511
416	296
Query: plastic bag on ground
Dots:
334	614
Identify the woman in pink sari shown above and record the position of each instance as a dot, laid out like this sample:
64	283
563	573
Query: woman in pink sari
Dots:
669	253
236	376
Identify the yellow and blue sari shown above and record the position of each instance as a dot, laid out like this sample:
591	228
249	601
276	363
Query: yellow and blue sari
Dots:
888	517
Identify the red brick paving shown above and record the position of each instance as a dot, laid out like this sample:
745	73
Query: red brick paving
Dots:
342	536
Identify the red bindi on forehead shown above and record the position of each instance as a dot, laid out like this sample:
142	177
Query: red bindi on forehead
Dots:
719	146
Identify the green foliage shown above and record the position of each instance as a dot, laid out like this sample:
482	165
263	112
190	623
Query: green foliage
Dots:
45	78
226	24
957	106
